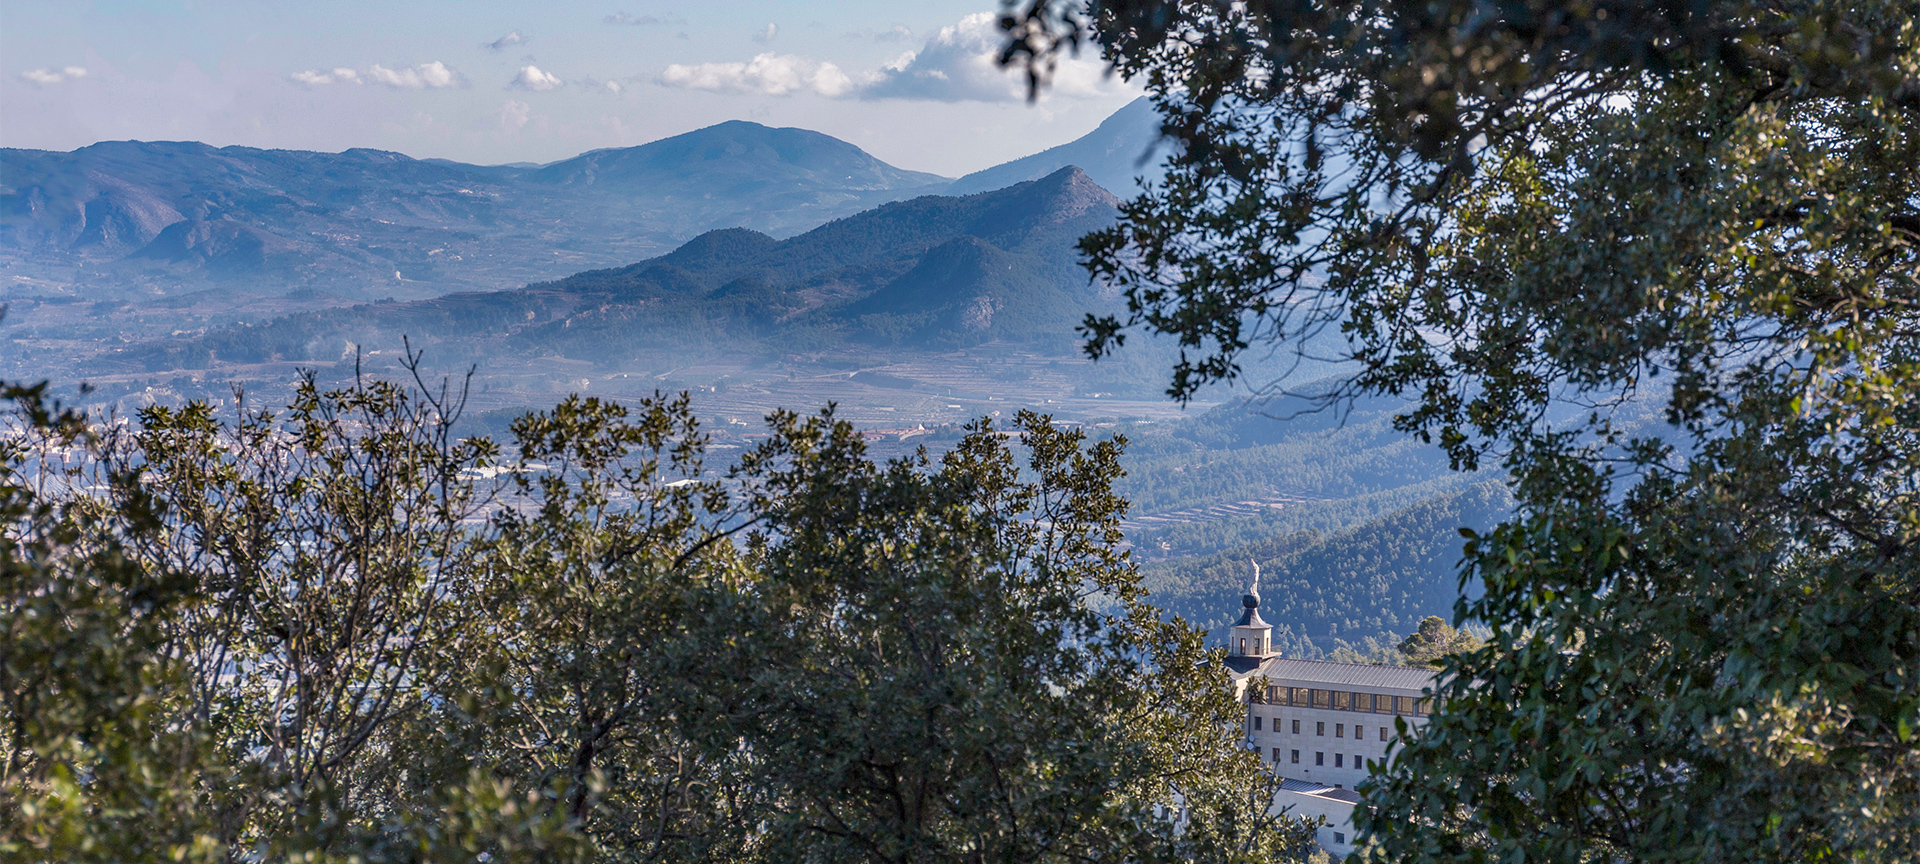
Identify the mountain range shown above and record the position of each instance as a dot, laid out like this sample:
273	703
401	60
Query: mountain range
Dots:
929	272
130	219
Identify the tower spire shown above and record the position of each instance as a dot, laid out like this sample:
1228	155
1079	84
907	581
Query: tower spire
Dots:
1251	636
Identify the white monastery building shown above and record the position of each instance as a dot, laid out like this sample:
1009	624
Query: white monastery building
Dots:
1317	724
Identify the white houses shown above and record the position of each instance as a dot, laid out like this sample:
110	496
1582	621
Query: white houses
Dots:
1319	725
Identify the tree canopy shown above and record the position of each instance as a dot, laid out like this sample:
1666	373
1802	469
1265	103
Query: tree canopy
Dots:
338	632
1525	215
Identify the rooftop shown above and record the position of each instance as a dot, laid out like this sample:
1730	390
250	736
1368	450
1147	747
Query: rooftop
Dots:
1308	787
1309	672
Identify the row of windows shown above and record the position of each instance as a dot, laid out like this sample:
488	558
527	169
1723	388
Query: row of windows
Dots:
1339	759
1320	728
1342	700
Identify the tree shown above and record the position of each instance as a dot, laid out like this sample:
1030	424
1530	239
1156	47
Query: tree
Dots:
1534	217
1434	641
923	679
340	633
93	770
830	659
328	550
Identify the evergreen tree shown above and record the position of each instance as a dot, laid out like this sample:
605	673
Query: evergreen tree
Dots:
1524	215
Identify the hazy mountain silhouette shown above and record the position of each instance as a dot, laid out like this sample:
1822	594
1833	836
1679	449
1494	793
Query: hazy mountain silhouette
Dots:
374	222
1112	155
932	271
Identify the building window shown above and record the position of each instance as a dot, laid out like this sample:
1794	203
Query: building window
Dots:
1339	760
1256	722
1319	728
1403	704
1296	727
1243	646
1358	762
1276	695
1424	708
1300	696
1339	730
1359	732
1319	758
1383	704
1340	700
1322	699
1383	732
1276	754
1296	757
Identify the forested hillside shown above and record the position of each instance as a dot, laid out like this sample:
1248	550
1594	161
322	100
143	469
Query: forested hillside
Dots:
1371	579
1320	461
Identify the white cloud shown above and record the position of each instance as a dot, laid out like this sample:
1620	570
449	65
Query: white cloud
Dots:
315	79
514	114
956	64
613	87
50	77
765	34
959	63
505	42
425	75
770	74
531	78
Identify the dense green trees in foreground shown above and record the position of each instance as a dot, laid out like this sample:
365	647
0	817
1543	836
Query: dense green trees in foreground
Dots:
339	633
1706	641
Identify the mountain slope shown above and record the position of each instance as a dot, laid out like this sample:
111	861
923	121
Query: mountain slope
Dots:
1126	145
736	157
1370	579
933	270
375	223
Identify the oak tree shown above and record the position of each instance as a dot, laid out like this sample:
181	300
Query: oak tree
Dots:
1539	219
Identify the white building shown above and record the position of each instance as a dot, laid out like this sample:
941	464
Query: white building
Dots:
1319	725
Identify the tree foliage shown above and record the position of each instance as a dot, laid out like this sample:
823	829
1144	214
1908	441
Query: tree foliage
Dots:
340	633
94	769
1706	640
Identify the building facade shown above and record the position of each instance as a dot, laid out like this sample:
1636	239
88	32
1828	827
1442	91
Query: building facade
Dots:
1320	725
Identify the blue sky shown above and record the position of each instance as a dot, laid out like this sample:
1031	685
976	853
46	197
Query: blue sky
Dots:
497	82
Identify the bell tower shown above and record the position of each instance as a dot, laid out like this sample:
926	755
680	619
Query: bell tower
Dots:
1251	636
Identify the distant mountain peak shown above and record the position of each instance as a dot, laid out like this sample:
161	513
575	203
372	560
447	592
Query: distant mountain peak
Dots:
756	153
1069	193
1126	145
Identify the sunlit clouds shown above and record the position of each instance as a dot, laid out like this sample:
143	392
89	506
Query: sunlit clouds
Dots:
958	63
531	78
426	76
50	77
768	74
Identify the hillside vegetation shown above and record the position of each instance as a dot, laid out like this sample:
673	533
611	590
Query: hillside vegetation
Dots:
1373	579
